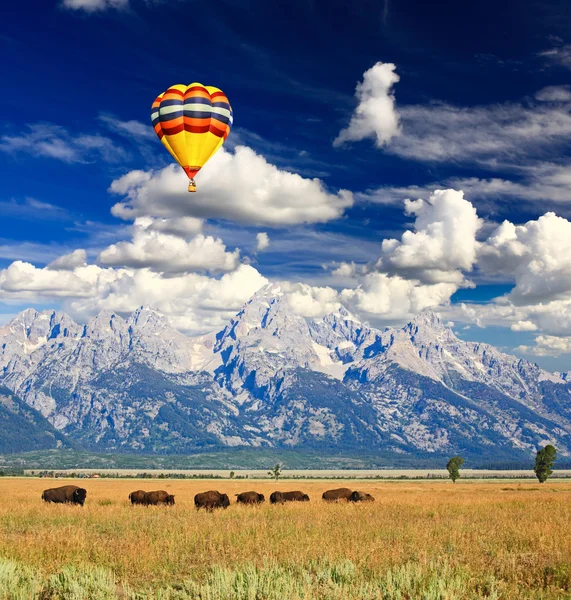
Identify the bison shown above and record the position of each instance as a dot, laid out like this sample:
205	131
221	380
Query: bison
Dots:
211	500
137	497
158	497
280	497
361	497
250	498
338	494
71	494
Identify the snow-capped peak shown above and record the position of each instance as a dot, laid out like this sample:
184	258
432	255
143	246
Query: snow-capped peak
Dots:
148	319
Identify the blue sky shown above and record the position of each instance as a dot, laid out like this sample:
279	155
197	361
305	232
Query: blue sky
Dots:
473	98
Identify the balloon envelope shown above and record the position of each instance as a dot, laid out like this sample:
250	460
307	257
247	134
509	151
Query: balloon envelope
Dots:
192	121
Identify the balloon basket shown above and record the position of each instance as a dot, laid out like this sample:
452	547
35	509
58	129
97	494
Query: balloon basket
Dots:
192	187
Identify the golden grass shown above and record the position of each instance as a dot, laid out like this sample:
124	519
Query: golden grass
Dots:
519	535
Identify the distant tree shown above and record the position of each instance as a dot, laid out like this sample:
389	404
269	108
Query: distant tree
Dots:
231	474
544	461
453	466
276	472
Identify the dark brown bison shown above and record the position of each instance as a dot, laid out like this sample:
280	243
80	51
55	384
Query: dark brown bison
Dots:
250	498
158	497
280	497
211	500
65	494
137	497
277	498
338	494
361	497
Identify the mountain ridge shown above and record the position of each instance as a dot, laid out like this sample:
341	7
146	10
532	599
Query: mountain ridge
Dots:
271	378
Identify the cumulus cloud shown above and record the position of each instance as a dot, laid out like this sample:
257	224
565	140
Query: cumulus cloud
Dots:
262	241
68	262
53	141
554	93
547	345
311	301
395	298
537	254
376	115
346	269
240	186
442	245
166	253
194	303
94	5
536	257
183	226
523	326
421	270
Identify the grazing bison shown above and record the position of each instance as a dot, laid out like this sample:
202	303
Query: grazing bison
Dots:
277	498
280	497
361	497
211	500
338	494
250	498
137	497
158	497
66	494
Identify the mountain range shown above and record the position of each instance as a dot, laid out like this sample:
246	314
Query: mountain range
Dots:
272	379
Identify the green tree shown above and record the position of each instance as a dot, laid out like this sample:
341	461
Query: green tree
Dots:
453	466
231	474
543	462
276	472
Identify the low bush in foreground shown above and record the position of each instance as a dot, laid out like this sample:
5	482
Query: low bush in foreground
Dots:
319	581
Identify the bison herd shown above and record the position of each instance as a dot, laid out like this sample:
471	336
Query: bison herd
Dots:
72	494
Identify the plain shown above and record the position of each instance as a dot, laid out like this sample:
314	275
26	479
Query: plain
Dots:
418	540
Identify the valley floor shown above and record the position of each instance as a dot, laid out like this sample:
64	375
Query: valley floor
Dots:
433	540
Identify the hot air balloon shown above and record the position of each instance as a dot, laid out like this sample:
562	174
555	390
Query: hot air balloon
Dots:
192	121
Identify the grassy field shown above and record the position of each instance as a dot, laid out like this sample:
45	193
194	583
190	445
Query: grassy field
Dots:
425	540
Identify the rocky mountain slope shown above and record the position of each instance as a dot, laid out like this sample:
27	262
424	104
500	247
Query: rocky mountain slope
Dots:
271	378
23	429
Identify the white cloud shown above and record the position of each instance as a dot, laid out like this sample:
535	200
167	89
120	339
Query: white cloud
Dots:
69	262
311	301
194	303
182	226
129	128
421	270
94	5
524	326
262	241
167	253
559	55
24	280
30	208
240	186
375	116
537	255
548	345
554	93
442	245
53	141
345	269
537	184
493	135
31	251
395	298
